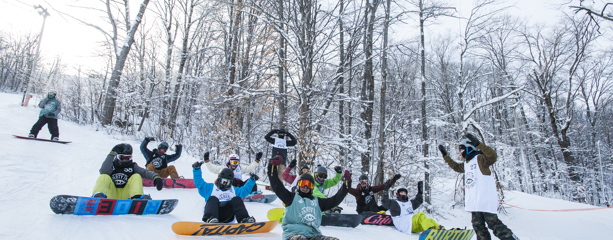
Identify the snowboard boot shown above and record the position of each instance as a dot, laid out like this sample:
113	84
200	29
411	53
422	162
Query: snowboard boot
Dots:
99	195
336	209
247	220
381	212
212	220
141	197
31	135
440	227
55	139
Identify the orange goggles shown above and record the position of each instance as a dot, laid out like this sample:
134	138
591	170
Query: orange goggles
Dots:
306	183
234	162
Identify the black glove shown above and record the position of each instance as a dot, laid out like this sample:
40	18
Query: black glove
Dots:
420	187
473	139
197	165
159	183
178	146
387	185
49	115
258	155
150	139
205	157
443	150
254	176
338	169
396	177
293	163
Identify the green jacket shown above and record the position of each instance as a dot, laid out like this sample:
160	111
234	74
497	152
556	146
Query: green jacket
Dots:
328	183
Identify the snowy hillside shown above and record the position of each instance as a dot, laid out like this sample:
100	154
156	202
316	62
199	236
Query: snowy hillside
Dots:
33	172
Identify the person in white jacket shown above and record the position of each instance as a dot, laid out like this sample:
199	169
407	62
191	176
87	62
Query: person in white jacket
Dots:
234	165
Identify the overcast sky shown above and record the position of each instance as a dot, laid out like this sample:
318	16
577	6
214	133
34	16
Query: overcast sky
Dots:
77	44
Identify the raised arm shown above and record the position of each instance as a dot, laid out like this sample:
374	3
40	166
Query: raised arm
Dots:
212	168
277	186
177	155
146	152
418	200
291	140
386	202
268	136
287	177
328	203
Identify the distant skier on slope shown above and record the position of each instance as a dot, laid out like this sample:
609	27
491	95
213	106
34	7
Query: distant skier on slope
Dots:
121	178
481	198
158	160
51	108
223	201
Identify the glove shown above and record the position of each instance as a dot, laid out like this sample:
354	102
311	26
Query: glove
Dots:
473	139
197	165
347	175
150	139
292	164
205	157
338	169
396	177
420	187
49	115
158	183
178	146
277	160
254	176
387	185
258	156
443	150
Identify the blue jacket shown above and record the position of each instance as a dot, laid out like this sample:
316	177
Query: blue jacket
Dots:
205	189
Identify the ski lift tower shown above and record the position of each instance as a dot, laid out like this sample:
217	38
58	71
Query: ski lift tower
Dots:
26	95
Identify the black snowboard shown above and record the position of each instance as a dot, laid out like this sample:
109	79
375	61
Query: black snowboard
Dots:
341	220
40	139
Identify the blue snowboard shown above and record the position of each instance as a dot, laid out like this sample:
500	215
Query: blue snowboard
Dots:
65	204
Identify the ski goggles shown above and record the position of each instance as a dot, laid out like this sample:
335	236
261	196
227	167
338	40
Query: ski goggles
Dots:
364	181
306	183
225	182
305	170
322	175
234	162
124	157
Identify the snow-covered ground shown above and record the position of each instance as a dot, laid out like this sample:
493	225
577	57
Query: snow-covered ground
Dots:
35	171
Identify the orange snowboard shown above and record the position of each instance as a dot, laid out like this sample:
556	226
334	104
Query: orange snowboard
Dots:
213	229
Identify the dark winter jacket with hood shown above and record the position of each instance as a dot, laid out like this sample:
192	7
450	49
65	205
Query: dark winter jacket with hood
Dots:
159	160
120	173
365	195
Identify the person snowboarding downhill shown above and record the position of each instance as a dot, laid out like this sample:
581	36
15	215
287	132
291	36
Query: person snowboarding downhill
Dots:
51	108
481	198
223	201
121	178
158	160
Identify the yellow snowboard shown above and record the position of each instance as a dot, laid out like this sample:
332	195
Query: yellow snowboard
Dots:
213	229
276	214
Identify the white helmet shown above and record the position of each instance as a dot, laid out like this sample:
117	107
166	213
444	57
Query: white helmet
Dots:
234	157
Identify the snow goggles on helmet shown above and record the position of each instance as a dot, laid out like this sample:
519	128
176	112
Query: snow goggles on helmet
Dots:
322	175
364	181
305	170
234	162
224	182
306	183
124	157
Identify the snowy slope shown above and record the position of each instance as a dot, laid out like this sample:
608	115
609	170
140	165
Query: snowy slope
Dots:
33	172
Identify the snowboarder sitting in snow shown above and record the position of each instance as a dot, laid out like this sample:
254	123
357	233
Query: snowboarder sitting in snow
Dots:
158	160
322	183
402	210
51	108
280	144
293	179
223	201
121	178
365	194
234	165
481	198
303	209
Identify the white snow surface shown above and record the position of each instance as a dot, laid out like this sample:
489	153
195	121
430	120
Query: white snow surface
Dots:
35	171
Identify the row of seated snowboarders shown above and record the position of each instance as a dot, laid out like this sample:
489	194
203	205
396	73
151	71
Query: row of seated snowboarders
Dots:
121	178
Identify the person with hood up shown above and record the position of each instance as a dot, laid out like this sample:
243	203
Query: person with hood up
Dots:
303	210
223	201
365	194
121	178
481	197
158	160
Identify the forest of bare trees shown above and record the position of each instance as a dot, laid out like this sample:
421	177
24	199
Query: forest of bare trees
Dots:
217	75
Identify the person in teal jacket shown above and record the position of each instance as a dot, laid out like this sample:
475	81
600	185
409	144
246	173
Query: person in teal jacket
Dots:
302	208
223	201
51	108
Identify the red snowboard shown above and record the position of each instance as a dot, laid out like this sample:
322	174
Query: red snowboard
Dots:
172	183
40	139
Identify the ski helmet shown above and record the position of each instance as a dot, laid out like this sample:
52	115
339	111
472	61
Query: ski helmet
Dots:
402	198
51	94
307	177
123	148
224	179
123	155
321	172
281	133
163	145
234	157
305	167
466	146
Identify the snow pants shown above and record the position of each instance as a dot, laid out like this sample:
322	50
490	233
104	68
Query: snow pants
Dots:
164	172
225	213
500	230
105	185
51	124
422	223
316	237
